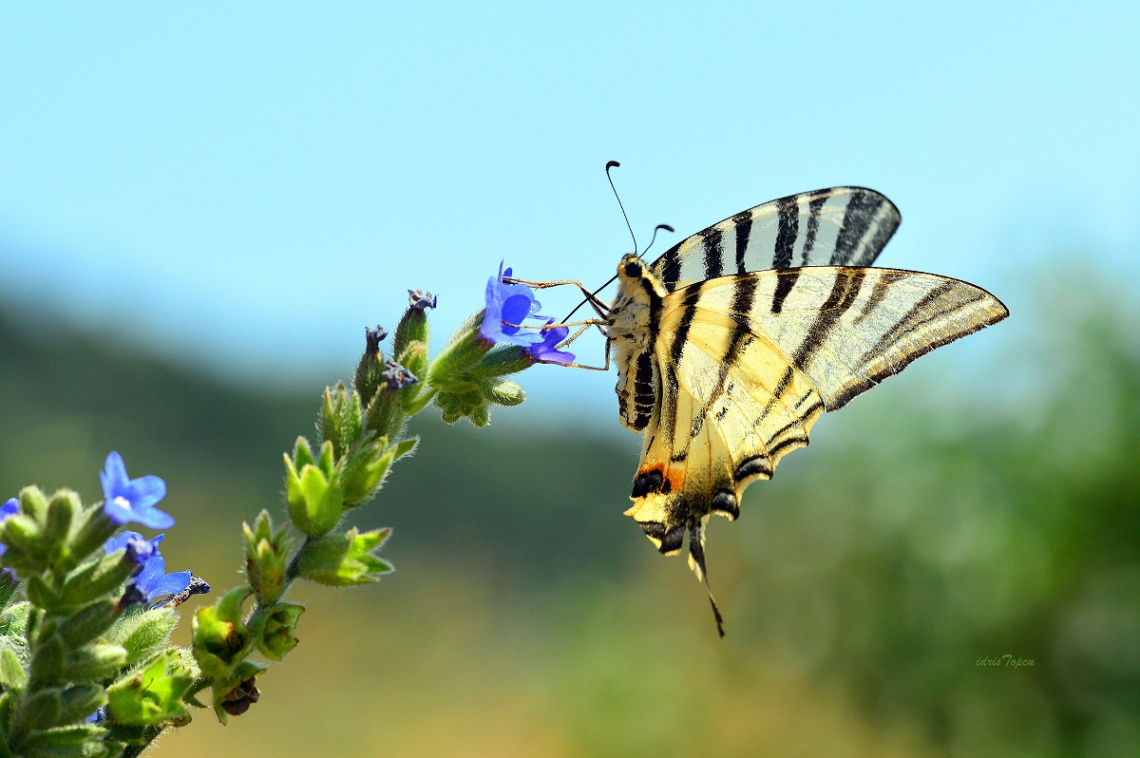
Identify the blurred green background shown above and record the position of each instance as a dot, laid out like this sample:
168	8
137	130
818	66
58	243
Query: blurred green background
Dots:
201	207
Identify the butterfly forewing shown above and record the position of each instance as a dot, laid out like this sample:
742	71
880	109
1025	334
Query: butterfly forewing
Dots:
840	226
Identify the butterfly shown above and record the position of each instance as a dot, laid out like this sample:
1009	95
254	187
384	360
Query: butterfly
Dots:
736	340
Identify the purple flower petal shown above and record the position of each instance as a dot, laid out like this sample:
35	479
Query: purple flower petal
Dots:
10	508
132	499
168	584
547	350
510	303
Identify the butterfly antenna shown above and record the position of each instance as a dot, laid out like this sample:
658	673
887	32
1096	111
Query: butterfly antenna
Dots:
656	229
615	164
594	294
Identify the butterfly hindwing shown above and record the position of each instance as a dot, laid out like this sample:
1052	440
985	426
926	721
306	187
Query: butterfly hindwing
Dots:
839	226
748	363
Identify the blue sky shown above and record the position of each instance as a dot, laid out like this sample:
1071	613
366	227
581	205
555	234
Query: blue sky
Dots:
247	188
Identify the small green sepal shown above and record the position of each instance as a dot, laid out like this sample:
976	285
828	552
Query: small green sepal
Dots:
234	695
275	628
341	560
153	693
365	470
221	637
341	421
313	491
266	558
94	663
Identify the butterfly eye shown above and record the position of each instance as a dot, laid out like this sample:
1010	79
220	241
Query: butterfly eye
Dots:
633	268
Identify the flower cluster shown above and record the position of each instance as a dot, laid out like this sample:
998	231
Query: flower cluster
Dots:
86	667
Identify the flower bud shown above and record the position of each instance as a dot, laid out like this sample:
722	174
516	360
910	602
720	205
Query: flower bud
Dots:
266	558
313	492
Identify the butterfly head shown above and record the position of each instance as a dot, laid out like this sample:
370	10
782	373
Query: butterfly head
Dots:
631	267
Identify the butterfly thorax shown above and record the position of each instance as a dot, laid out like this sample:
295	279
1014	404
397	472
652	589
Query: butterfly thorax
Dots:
633	314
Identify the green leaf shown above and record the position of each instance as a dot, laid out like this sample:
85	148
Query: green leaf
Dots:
12	676
41	709
80	740
95	663
89	622
80	701
142	634
47	661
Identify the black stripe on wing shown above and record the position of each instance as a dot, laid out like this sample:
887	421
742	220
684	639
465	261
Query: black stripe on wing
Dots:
840	226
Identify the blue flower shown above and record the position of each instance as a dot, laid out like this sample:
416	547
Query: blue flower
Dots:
511	303
132	499
547	350
10	508
151	581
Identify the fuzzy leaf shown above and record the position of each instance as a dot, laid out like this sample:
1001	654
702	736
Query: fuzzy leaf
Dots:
12	676
143	634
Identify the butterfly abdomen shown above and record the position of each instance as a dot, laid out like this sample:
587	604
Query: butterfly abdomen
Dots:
636	309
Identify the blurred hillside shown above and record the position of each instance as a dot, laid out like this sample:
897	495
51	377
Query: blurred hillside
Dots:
868	588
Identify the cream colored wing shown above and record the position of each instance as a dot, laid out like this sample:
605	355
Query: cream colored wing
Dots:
748	363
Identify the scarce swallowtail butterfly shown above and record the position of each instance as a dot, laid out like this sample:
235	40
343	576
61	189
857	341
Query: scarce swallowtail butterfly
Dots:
736	340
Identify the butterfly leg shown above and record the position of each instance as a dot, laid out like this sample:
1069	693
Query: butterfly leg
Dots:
579	365
585	324
594	301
